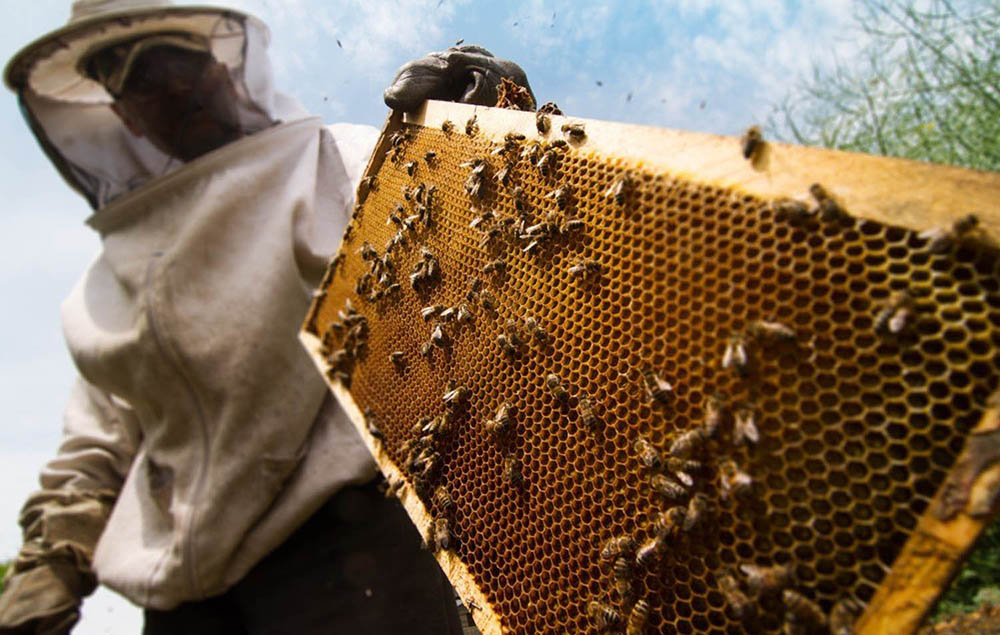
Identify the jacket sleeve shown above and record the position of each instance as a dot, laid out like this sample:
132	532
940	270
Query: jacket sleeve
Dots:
64	520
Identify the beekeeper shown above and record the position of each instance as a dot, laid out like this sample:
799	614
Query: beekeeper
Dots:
205	473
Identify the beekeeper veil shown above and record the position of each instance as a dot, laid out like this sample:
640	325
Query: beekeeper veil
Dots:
70	112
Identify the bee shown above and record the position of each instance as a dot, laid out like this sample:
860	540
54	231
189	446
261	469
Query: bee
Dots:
512	471
542	123
667	488
471	127
638	618
574	132
497	266
734	481
735	356
555	386
688	443
342	377
443	499
941	238
492	234
429	157
558	144
802	615
752	140
584	268
337	260
623	575
455	396
338	357
714	413
371	423
484	217
499	424
619	190
765	330
464	316
442	534
411	167
447	127
430	311
648	555
682	469
488	301
617	546
438	337
745	426
531	247
561	196
668	523
796	213
535	331
572	225
698	508
545	162
648	453
507	345
737	599
369	184
367	251
829	210
893	317
518	195
603	615
363	284
656	389
502	175
766	580
392	486
587	413
843	615
397	358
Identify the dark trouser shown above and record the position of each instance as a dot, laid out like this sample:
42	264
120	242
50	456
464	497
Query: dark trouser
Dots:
354	567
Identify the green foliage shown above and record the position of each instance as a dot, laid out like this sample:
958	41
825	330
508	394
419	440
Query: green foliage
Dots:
3	573
979	579
926	86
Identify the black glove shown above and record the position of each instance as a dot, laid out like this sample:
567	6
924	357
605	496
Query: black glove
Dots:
467	74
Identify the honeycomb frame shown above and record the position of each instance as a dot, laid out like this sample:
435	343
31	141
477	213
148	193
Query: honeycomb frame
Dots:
900	444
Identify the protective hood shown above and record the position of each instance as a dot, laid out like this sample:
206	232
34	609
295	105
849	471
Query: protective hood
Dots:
94	150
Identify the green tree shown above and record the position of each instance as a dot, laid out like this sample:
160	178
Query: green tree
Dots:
925	86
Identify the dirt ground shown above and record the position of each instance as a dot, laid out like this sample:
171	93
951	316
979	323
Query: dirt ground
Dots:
985	621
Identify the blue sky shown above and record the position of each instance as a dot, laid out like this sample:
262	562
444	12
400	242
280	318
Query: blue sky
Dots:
690	64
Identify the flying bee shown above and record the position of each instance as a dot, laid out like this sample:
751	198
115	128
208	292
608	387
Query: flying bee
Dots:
447	127
430	311
512	471
735	355
587	413
688	443
574	132
648	555
371	423
802	615
397	358
751	141
895	315
455	396
656	389
507	345
561	196
745	426
734	481
796	213
668	523
843	615
941	238
735	597
603	615
698	509
617	546
542	123
638	618
584	268
648	454
667	488
766	580
497	266
411	167
555	386
682	469
471	127
442	534
765	330
488	301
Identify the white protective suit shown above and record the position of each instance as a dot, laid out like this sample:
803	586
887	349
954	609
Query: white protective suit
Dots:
196	402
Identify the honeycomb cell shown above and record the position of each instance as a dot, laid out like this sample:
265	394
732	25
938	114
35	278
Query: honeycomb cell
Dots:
857	428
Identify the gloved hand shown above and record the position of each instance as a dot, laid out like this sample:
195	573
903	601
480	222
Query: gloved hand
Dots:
466	74
43	600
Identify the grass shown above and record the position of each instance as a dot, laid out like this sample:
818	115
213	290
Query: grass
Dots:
978	581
